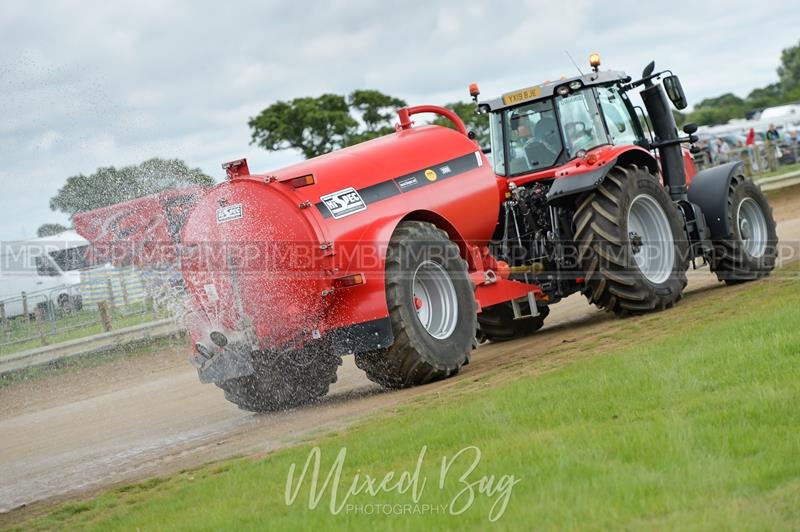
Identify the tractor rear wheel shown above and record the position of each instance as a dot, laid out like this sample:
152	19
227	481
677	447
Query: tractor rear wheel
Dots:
752	251
497	322
631	243
283	381
431	306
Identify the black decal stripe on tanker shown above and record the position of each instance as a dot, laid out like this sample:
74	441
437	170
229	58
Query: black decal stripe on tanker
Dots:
406	183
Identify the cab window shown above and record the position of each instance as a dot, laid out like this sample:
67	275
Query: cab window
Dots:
618	119
497	155
534	142
581	122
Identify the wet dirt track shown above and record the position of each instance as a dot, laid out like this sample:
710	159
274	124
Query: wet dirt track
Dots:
126	420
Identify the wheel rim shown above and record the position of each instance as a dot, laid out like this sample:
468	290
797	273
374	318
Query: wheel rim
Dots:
435	300
651	240
752	227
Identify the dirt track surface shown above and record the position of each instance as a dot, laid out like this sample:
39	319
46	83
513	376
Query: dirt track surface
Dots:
125	420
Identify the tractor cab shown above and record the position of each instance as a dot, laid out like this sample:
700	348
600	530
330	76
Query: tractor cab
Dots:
547	125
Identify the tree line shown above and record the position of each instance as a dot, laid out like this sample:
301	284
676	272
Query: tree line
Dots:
318	125
311	125
721	109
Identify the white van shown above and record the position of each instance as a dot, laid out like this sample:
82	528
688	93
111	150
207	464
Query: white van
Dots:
46	269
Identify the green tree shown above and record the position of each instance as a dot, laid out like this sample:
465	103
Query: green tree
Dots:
718	110
312	125
109	185
377	111
789	71
786	90
726	100
50	229
767	96
478	123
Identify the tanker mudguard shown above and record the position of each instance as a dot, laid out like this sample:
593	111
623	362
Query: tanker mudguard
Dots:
569	185
709	190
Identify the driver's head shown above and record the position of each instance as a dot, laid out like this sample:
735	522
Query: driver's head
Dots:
520	125
545	131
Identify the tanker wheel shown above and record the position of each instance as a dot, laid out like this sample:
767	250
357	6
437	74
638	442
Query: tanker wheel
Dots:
431	306
284	381
752	251
497	322
631	243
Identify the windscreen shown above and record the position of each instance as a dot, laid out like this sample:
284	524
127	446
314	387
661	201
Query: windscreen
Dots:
533	139
71	259
581	122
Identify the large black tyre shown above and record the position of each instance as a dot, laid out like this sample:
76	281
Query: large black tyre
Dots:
497	322
617	277
427	346
752	251
283	381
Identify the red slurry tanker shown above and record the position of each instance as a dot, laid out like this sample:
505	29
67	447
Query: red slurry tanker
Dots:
399	249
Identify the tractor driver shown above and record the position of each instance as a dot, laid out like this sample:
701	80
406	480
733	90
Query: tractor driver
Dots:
541	147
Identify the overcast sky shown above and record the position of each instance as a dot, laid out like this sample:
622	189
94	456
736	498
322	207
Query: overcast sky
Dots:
89	84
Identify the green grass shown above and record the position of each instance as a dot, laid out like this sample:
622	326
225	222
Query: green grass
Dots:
129	350
18	328
687	419
780	171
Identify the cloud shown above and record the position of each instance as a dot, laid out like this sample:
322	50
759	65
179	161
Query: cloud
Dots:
46	140
89	84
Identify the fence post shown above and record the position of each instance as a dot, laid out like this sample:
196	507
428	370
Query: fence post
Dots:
110	289
39	324
25	307
124	288
748	164
148	304
772	162
3	321
105	317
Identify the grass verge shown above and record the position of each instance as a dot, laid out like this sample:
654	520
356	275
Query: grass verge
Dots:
19	335
786	169
683	419
130	350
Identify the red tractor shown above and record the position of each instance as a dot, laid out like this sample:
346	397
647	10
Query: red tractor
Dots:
398	249
598	203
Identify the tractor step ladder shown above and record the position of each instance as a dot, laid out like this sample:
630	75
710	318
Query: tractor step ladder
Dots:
534	309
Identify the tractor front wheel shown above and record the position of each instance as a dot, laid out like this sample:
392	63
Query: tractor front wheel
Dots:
631	243
752	251
431	306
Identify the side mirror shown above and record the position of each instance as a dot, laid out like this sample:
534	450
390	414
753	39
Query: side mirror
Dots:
690	128
675	92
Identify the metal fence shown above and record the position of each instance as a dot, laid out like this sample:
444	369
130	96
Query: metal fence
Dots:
104	300
758	159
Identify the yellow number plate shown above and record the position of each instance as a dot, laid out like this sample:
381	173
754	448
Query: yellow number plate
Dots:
522	95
